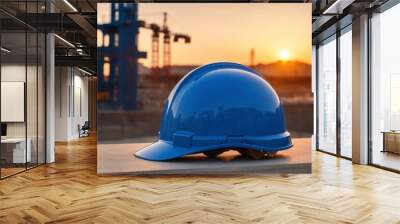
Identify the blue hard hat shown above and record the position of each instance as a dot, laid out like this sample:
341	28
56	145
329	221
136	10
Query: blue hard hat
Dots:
217	107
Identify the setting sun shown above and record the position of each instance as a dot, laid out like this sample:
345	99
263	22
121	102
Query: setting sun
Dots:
284	55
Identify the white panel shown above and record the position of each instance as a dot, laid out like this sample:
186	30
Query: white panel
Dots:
12	101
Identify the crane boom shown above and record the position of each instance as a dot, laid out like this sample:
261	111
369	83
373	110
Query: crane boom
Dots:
167	34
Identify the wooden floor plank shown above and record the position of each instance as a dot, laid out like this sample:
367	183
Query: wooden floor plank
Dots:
70	191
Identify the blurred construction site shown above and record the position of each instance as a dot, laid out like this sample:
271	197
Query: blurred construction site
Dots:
136	73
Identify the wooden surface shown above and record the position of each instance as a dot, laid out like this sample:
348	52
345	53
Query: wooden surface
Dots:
391	142
386	159
7	171
120	159
70	191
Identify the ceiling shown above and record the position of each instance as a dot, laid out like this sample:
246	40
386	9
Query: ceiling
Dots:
75	21
331	15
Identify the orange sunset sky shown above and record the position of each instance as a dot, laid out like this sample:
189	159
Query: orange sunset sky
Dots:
223	32
228	31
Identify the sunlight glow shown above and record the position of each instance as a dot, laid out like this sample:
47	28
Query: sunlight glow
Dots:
284	55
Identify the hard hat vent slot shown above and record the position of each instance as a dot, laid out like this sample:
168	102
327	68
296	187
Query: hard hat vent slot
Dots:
183	139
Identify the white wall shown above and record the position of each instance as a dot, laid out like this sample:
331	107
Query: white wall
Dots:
62	82
71	102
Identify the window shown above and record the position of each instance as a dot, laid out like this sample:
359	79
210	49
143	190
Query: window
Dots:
104	13
116	40
106	69
327	96
116	12
116	15
106	41
99	38
346	94
385	89
333	106
22	77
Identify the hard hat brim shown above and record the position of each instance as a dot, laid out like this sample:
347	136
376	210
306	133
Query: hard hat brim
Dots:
164	150
161	150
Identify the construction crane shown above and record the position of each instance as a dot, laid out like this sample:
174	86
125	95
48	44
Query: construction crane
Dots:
118	56
166	45
167	34
252	53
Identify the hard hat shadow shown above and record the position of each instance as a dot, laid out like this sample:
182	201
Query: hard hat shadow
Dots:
231	155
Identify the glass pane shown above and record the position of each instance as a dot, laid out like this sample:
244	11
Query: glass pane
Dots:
31	98
327	96
32	86
346	94
385	114
13	86
23	88
41	99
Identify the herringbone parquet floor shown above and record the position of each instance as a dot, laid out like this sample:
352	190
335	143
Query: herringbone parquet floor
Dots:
69	191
